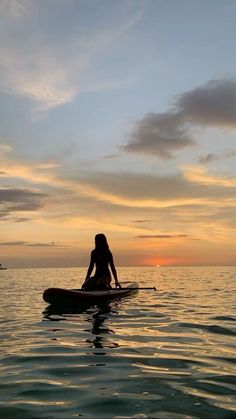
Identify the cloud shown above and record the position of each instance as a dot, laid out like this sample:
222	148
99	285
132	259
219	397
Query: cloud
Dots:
22	220
193	186
21	196
32	172
19	199
159	134
35	74
15	9
213	104
200	176
195	197
162	134
52	67
210	157
140	221
5	149
201	199
162	236
28	244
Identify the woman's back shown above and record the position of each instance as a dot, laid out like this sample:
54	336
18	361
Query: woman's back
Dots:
101	260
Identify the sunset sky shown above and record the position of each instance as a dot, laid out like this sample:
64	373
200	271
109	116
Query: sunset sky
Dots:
118	117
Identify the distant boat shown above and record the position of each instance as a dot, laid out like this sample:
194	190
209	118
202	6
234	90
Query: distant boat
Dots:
2	268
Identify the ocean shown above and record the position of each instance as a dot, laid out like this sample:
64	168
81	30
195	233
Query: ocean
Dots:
169	353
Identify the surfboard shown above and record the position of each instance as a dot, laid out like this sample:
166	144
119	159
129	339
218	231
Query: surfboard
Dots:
79	296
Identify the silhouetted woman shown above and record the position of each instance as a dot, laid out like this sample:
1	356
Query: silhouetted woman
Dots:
102	258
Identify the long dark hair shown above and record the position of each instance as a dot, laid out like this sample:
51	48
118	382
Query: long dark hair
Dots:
101	244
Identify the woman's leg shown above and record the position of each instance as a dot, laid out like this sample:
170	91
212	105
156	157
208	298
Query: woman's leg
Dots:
89	284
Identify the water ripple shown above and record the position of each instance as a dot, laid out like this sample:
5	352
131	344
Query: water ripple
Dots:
210	328
168	354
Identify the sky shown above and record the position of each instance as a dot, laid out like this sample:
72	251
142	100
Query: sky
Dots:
117	117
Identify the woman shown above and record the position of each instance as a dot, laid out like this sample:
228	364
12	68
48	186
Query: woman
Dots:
102	258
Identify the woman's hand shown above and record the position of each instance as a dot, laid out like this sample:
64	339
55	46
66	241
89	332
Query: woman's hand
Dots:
118	285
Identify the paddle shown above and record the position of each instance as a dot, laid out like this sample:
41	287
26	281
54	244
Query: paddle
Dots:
138	288
122	288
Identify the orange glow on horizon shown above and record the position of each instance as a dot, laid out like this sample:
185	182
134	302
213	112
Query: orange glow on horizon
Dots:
163	261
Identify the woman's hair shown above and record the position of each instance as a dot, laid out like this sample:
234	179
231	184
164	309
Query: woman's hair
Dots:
101	243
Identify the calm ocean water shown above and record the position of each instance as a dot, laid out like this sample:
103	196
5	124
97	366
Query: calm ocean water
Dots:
165	354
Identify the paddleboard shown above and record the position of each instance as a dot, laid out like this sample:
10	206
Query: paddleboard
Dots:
78	296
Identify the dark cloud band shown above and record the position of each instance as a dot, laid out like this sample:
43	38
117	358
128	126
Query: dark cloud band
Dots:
28	244
18	199
162	134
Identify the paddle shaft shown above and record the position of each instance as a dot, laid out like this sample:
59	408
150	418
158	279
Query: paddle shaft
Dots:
139	288
122	288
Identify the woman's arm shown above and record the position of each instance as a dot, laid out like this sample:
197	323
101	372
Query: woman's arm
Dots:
90	269
113	269
91	266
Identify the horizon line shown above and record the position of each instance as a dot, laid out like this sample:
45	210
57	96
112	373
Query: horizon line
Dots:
121	266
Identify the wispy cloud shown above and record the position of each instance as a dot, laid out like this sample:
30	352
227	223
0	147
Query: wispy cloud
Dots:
140	221
200	176
28	244
211	157
51	72
196	197
193	185
22	220
162	236
178	204
162	134
15	9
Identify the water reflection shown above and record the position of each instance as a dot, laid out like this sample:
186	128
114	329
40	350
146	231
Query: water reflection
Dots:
100	328
60	312
97	317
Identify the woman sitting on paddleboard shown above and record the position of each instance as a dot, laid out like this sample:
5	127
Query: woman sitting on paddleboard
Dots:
102	258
